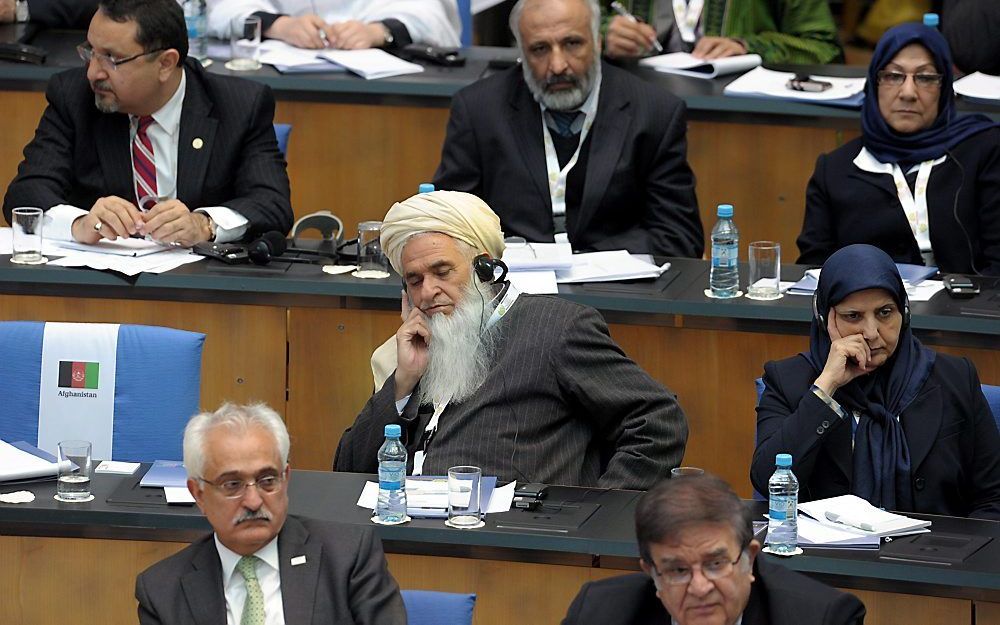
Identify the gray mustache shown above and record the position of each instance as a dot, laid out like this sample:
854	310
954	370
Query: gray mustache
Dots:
252	515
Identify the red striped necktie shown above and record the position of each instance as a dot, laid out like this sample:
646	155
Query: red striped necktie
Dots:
144	166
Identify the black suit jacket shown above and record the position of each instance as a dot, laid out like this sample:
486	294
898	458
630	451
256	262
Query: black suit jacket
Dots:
778	596
63	13
846	205
949	429
344	580
79	154
971	27
638	192
561	405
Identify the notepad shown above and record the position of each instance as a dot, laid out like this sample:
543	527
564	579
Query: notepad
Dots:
372	63
858	514
685	64
772	85
165	473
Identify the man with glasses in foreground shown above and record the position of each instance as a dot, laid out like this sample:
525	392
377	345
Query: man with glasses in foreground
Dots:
272	569
700	567
141	141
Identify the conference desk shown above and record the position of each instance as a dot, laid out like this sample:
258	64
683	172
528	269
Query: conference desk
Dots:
86	557
300	339
357	146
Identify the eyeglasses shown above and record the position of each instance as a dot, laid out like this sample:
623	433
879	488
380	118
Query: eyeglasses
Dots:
107	61
714	569
889	78
234	489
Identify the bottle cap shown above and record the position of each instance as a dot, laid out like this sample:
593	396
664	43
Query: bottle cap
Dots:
932	20
393	430
725	210
425	187
782	460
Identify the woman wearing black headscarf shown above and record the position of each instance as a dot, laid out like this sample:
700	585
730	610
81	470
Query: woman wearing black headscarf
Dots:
922	183
869	410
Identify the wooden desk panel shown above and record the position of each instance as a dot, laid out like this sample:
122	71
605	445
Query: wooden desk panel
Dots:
243	358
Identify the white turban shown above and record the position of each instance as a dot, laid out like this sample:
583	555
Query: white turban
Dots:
462	216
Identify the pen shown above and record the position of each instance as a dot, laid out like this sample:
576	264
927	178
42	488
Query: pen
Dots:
621	10
844	520
322	35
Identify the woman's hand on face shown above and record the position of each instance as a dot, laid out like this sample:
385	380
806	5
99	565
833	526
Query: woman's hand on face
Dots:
849	358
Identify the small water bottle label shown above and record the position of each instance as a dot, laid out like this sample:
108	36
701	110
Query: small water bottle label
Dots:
389	484
781	508
724	255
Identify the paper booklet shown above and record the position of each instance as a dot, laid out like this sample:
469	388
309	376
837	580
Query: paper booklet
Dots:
686	64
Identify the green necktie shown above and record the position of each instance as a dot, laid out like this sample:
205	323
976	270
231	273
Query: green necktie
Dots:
253	607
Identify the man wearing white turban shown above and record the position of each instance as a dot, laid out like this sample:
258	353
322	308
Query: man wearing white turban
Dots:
569	146
527	387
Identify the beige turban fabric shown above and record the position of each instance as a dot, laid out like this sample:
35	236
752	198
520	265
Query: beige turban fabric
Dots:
460	215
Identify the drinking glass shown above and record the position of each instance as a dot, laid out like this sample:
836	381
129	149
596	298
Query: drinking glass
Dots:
74	471
765	270
464	497
244	44
27	236
372	263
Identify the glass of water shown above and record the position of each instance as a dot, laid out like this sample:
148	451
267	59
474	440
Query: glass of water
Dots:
372	263
244	44
74	471
464	497
27	226
765	270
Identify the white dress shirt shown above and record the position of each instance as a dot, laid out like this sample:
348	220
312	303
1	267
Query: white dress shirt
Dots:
433	22
268	576
164	134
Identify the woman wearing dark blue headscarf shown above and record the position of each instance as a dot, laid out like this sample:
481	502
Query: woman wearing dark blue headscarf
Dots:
922	182
869	410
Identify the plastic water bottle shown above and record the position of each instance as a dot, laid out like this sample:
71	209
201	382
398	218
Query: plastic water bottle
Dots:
724	279
425	187
931	20
783	507
194	17
391	507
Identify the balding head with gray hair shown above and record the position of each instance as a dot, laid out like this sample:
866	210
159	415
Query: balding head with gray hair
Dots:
238	419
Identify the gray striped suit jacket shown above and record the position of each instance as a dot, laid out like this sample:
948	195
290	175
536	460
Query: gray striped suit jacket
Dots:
227	154
562	405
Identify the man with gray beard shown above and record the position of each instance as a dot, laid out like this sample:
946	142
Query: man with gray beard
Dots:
527	387
141	141
571	148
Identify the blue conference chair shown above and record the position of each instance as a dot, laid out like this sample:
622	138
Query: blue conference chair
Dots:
992	394
157	387
281	132
427	607
465	14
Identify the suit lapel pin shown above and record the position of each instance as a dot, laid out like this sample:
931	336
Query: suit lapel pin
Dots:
198	143
297	560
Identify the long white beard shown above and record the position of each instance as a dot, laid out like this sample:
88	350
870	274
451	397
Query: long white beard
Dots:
462	349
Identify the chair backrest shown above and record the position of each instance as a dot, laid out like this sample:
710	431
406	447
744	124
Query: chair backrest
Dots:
465	14
281	132
758	385
427	607
992	394
157	387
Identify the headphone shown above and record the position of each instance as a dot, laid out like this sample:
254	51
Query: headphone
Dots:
821	318
485	269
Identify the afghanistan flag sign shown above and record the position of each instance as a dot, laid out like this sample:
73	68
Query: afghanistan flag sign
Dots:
78	374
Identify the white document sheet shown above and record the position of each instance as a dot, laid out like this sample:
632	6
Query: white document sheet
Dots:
152	263
434	494
769	83
118	247
16	464
372	63
535	282
608	267
853	511
288	58
538	256
686	64
979	86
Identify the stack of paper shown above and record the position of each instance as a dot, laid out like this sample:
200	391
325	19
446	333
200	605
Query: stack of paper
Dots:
769	84
689	65
828	535
608	267
538	256
914	278
287	58
979	87
856	514
22	461
372	63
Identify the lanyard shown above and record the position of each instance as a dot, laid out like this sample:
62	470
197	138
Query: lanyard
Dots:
557	177
915	207
509	297
686	16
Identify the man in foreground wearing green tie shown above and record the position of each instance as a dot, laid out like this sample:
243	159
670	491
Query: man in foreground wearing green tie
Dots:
260	566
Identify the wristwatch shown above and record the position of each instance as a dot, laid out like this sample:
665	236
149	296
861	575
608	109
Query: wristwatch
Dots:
21	13
387	34
210	226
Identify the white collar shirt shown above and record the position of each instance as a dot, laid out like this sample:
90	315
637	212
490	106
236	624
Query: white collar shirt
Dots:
268	576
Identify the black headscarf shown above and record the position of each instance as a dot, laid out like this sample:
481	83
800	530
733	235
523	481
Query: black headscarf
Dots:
881	455
948	129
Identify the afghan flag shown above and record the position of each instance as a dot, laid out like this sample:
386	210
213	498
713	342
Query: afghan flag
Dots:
78	374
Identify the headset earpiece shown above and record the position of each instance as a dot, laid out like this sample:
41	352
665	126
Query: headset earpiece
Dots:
485	269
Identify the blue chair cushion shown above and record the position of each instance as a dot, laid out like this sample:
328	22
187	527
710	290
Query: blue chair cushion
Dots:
427	607
992	394
281	132
20	377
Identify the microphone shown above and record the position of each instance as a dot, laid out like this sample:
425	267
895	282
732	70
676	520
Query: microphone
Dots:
267	247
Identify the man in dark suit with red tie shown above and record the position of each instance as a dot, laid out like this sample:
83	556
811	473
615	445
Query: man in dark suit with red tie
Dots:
142	141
